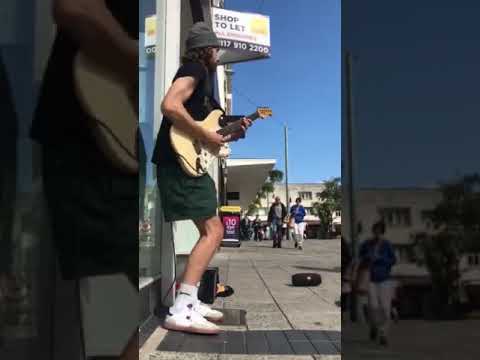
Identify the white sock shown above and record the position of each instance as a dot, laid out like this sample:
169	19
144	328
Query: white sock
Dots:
187	294
198	285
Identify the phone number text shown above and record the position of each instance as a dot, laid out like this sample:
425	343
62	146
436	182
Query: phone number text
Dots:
244	46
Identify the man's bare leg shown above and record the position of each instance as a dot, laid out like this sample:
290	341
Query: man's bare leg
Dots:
132	349
211	235
199	258
181	317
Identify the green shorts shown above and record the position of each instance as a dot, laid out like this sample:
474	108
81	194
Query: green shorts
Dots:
184	197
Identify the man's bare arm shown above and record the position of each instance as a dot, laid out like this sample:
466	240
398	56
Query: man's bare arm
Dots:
173	108
99	35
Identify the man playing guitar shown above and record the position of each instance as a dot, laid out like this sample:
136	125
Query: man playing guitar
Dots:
189	100
93	206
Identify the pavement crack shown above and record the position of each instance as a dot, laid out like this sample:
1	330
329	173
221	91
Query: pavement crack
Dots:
271	295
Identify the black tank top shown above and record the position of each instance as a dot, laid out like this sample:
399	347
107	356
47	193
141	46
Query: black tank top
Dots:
198	105
59	118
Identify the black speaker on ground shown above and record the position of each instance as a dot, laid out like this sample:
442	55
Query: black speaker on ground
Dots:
306	279
208	286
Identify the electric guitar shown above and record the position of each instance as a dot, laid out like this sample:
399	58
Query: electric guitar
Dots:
194	157
113	112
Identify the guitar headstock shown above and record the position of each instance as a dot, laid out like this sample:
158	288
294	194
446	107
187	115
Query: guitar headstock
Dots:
264	112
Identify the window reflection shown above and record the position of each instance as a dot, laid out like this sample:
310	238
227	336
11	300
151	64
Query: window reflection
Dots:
149	233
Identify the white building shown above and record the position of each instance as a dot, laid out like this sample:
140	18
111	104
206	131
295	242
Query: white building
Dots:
243	187
402	210
245	178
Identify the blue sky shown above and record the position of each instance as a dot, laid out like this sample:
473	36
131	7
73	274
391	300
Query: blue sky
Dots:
300	82
415	81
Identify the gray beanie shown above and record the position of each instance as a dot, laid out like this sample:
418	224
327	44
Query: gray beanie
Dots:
200	36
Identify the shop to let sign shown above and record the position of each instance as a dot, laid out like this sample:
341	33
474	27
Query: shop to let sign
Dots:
243	36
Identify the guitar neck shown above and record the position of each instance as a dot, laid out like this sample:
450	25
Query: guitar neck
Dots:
236	125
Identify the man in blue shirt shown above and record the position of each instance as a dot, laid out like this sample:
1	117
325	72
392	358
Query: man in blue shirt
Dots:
379	255
297	213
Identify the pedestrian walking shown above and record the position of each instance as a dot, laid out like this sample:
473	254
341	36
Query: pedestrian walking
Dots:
346	271
378	253
297	213
244	228
276	217
257	224
285	228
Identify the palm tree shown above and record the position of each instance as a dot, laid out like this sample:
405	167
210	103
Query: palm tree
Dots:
329	201
268	188
457	222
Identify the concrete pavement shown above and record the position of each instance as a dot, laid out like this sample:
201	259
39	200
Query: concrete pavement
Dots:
267	318
415	340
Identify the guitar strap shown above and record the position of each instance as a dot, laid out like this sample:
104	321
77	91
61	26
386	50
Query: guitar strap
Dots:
207	90
209	101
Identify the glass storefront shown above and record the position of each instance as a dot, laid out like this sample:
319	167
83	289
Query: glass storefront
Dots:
26	33
149	239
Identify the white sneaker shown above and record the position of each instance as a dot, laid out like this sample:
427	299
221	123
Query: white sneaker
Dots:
190	321
208	313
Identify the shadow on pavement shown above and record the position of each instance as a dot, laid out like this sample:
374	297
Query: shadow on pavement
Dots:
333	270
275	342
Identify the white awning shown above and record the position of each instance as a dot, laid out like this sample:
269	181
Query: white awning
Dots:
246	177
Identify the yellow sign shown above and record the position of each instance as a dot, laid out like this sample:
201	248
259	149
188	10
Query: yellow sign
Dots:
150	30
259	26
232	209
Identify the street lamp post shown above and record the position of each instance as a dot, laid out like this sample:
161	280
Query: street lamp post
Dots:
349	119
286	175
351	187
228	110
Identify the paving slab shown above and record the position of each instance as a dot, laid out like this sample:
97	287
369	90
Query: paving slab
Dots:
282	321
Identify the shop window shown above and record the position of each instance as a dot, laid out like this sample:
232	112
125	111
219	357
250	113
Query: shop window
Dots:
396	217
305	195
234	195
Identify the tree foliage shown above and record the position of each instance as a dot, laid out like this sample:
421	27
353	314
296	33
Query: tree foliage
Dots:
329	201
275	176
456	220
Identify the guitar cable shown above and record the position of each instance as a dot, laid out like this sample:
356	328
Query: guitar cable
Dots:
115	137
186	161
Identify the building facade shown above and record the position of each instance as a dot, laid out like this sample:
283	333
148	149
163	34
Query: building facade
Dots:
309	193
403	211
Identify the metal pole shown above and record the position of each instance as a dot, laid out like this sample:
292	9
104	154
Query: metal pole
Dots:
286	175
351	190
228	110
350	167
223	181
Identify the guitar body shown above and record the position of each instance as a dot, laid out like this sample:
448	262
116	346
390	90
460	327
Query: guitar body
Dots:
192	156
114	117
